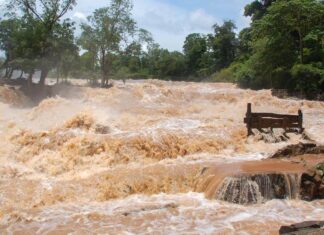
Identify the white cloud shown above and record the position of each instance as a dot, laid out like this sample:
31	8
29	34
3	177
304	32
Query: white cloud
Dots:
2	7
170	24
159	16
79	15
200	20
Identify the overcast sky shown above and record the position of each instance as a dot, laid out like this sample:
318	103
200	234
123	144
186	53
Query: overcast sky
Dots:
170	21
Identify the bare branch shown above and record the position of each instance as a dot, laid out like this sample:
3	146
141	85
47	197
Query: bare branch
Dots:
44	5
29	7
65	9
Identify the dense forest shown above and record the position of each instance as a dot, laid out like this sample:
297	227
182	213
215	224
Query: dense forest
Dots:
282	48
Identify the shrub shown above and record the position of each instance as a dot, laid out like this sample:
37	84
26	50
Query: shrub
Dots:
226	74
308	79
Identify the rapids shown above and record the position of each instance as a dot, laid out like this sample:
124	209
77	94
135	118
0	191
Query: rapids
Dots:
145	157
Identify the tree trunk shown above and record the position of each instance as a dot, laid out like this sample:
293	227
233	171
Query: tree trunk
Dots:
43	76
58	76
6	73
21	74
30	78
5	66
104	68
103	74
300	35
105	79
301	47
10	73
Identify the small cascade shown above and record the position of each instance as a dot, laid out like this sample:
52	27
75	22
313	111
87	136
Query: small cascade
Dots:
249	189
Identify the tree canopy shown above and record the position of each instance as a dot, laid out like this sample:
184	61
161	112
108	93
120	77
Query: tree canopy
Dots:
287	47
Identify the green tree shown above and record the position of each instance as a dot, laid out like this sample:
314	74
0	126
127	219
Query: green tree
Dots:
287	47
162	63
194	48
133	55
257	9
300	18
245	43
22	41
106	30
8	31
224	44
43	19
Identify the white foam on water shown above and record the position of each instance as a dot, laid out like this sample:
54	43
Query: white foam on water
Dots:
188	213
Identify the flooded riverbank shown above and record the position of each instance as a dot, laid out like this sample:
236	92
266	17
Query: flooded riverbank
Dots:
129	158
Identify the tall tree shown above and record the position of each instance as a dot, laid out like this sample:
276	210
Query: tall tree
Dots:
287	47
106	30
194	48
8	31
224	44
46	16
300	20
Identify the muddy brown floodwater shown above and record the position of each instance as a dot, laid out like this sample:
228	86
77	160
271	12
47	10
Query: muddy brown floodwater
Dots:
148	157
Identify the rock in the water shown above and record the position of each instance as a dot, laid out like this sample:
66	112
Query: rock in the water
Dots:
298	149
305	228
312	186
321	191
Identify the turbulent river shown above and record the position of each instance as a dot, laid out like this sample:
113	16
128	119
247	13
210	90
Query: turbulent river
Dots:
148	157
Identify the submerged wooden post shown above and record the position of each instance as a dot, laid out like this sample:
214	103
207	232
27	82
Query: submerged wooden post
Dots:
300	121
249	118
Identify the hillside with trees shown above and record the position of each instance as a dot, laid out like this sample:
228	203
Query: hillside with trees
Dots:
282	48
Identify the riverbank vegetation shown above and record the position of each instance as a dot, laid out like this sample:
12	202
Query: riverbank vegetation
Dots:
283	47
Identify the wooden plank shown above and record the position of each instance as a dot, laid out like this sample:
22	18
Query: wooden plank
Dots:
274	125
273	115
269	121
256	119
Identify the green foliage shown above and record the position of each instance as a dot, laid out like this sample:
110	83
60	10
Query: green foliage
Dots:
104	33
245	44
162	63
195	46
225	75
307	79
245	77
224	44
320	167
206	54
36	38
283	48
125	73
257	9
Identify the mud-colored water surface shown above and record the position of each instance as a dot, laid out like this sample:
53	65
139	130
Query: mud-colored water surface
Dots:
146	157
